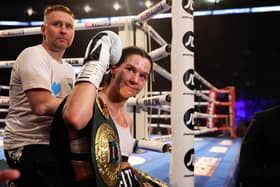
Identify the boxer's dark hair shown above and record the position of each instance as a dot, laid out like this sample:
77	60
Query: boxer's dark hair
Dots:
126	52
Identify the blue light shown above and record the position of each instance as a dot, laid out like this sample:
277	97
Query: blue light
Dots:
238	11
14	23
161	16
265	9
203	13
36	23
231	11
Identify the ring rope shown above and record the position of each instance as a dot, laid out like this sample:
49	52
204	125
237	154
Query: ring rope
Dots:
203	115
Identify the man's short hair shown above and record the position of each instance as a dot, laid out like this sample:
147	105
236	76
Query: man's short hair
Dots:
58	7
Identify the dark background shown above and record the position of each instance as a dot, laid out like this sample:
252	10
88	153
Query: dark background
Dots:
240	50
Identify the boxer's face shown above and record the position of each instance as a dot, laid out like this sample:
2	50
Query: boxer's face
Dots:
58	30
131	75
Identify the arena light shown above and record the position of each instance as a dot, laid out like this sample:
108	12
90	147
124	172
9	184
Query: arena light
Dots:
116	6
148	4
87	8
30	11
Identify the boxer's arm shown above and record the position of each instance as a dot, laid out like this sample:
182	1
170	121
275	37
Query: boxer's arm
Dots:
78	108
102	50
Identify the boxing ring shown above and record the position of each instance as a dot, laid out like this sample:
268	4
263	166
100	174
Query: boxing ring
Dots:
185	156
215	165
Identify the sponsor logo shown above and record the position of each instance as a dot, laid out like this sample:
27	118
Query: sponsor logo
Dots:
189	160
153	11
189	118
188	79
55	88
187	5
153	102
188	41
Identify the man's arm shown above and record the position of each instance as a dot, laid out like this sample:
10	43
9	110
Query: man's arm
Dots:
42	101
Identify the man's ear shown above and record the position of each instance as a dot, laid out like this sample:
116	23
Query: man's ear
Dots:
43	28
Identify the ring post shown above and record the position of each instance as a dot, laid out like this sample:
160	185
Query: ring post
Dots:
182	103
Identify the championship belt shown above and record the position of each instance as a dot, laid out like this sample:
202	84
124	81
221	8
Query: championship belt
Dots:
105	148
147	180
91	154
